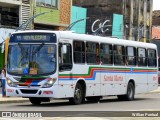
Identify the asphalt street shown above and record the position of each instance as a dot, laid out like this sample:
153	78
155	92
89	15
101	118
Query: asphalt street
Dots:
142	102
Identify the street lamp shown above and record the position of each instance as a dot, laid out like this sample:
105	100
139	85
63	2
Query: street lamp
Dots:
71	25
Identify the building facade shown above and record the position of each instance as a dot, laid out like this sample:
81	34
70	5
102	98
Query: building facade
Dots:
79	13
58	16
137	15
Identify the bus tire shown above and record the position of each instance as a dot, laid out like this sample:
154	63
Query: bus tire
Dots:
78	95
130	93
35	101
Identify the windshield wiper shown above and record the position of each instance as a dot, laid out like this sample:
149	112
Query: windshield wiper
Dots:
25	53
22	48
37	49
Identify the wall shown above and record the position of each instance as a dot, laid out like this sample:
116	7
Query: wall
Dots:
48	18
65	11
97	19
156	32
77	14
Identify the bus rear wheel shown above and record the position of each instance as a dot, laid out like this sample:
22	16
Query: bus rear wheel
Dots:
78	95
130	93
35	101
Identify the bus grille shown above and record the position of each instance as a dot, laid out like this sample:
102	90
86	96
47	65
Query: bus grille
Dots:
25	91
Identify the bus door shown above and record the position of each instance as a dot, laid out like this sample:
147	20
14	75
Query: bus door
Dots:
65	65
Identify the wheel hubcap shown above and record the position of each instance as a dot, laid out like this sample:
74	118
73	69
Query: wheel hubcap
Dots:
130	92
78	94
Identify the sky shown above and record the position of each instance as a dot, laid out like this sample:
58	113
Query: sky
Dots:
156	4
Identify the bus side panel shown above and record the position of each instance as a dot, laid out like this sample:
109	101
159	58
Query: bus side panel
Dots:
64	91
113	80
139	76
141	81
93	89
91	76
65	85
152	79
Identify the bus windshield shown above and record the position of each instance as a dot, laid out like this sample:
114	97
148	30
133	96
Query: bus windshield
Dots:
31	59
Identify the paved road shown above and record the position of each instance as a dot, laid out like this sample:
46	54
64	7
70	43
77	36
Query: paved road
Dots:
109	106
150	101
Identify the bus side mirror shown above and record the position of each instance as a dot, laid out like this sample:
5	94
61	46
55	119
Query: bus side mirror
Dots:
64	49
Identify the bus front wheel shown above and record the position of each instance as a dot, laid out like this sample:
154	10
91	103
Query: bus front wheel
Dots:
35	101
78	95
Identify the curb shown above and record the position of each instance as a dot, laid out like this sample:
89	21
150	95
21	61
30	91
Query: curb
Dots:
155	91
13	101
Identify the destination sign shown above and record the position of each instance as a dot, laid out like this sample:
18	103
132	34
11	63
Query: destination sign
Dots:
33	37
36	37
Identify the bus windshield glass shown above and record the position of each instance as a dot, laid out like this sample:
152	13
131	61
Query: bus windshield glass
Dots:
31	59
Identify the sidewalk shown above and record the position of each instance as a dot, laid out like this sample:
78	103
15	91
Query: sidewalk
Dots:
20	100
12	99
157	90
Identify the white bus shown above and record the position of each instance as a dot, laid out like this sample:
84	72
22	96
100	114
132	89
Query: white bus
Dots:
42	65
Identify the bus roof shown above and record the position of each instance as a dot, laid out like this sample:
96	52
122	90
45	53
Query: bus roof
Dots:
85	37
109	40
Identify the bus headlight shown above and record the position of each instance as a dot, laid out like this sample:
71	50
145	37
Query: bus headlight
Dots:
11	83
49	83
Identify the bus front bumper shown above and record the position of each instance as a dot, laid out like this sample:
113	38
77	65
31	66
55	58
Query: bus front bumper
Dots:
30	92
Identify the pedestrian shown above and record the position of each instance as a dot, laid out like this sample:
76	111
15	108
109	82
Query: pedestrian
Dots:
4	81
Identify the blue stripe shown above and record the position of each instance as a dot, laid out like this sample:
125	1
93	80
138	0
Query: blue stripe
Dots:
35	82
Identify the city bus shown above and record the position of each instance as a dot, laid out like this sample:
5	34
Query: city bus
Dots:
44	65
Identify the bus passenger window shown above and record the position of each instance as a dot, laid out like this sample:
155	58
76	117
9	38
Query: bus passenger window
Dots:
119	55
106	53
141	57
92	53
79	52
152	58
131	56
